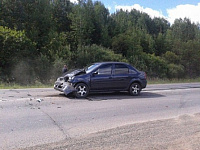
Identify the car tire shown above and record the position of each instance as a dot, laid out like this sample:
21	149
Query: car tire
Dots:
135	89
82	90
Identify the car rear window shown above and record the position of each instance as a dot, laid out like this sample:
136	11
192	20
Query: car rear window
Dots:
121	69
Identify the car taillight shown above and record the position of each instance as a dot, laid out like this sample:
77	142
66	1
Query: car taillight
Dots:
145	75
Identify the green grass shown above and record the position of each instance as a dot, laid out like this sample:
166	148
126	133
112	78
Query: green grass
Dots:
17	86
166	81
150	81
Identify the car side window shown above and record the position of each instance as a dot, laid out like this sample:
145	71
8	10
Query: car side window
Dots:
106	69
131	71
121	69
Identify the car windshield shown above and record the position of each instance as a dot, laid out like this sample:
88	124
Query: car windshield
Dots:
90	68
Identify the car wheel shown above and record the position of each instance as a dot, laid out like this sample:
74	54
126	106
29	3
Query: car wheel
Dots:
135	89
81	90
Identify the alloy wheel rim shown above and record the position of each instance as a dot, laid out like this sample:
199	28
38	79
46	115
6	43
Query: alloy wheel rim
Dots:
81	90
135	89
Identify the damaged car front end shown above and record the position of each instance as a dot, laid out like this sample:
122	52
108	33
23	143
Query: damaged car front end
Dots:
64	84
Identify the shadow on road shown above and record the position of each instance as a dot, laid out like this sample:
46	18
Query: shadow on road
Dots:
121	96
109	96
56	95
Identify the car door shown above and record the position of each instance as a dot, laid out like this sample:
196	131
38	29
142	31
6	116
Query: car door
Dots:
121	76
101	78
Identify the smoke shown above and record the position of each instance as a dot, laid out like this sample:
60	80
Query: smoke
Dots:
23	73
29	72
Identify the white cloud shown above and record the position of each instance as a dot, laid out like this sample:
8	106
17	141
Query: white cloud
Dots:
181	11
109	8
74	1
152	13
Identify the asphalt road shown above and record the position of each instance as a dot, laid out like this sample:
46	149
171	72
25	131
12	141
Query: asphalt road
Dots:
35	117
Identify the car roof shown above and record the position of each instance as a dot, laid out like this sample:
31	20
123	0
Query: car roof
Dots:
111	62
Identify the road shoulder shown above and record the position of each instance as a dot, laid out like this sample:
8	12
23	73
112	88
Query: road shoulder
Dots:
178	133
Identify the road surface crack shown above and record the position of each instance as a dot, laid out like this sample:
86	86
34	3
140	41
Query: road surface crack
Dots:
56	124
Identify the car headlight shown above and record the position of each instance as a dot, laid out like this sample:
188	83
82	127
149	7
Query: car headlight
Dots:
71	78
60	79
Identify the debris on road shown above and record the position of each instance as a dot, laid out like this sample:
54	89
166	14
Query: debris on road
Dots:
39	100
3	99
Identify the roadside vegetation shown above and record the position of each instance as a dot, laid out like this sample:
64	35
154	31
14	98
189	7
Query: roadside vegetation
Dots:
170	81
37	37
13	85
4	85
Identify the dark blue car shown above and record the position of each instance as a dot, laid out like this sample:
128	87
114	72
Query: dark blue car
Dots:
102	77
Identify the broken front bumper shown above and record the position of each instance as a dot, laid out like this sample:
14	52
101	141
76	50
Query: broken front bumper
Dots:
65	87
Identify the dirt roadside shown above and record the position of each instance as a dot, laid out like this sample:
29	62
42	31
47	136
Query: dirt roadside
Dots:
181	133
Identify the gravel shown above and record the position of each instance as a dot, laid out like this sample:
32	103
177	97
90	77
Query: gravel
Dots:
181	133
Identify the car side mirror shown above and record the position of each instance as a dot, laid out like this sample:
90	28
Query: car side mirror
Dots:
95	73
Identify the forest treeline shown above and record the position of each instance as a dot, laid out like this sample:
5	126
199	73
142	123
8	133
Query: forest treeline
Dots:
37	37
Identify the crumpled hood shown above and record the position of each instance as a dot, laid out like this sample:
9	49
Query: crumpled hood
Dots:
74	73
69	74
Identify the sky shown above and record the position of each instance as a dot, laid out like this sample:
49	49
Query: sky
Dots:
168	9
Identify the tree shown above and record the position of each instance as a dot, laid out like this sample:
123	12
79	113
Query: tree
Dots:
169	40
39	24
95	53
184	30
34	32
121	19
101	35
160	45
190	58
15	47
121	44
12	14
82	18
61	11
161	25
145	23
